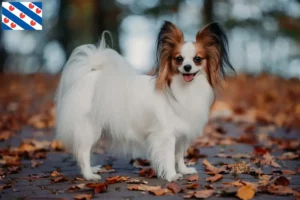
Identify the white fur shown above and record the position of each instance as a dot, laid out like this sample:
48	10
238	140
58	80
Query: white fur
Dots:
100	96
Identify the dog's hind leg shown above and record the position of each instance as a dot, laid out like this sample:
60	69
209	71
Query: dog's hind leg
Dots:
83	152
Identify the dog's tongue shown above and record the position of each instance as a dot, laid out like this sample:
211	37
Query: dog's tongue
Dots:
188	77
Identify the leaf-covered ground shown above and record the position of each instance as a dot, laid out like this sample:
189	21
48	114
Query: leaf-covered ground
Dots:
250	148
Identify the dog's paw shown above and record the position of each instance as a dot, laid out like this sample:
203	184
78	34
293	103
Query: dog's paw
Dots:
188	170
92	177
175	177
96	168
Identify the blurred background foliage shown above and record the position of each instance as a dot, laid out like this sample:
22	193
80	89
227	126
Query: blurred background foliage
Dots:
264	35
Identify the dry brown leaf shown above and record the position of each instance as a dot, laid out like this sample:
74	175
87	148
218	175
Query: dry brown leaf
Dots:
288	172
55	173
264	180
59	179
136	181
83	197
214	178
282	181
116	179
175	188
192	186
75	188
4	135
106	169
160	191
2	187
288	156
97	187
240	168
142	187
245	192
202	194
210	169
280	190
140	163
194	177
57	145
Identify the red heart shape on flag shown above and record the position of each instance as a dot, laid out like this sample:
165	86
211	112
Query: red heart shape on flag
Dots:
11	8
38	11
13	25
22	15
6	20
32	23
31	6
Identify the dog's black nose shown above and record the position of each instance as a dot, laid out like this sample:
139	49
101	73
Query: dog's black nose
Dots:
187	68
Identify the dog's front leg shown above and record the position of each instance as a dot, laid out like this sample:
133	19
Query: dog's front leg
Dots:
162	156
181	147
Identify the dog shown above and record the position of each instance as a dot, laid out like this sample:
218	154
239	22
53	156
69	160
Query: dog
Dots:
101	97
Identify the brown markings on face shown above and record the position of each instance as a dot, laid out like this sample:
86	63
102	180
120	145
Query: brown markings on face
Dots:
169	42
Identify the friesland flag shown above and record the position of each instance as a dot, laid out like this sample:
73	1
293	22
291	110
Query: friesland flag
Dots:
22	16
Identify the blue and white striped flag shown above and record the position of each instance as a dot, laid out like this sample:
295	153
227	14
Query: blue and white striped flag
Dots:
22	16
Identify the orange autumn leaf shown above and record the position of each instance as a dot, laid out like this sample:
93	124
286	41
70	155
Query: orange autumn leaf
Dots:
142	187
282	181
175	188
160	191
214	178
55	173
97	187
192	186
204	193
280	190
288	172
210	168
245	192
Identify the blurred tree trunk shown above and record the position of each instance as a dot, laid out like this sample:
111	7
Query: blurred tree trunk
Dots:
3	55
107	17
62	26
208	11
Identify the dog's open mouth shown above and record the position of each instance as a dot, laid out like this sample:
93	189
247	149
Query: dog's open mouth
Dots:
189	77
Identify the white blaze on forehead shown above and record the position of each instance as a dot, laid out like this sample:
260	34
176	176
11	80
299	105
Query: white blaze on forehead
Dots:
188	50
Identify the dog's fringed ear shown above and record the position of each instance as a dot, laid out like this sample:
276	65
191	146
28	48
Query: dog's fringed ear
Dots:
169	36
214	42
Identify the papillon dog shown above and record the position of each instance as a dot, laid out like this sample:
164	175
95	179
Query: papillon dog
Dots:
101	97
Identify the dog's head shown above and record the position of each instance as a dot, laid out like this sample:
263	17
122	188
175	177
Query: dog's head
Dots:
208	54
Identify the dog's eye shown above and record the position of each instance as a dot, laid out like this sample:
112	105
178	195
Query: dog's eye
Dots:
197	59
179	59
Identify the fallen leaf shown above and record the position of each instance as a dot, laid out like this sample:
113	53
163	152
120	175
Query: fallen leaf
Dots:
288	156
202	194
288	172
142	187
175	188
192	186
55	173
75	188
264	180
136	181
4	135
280	190
282	181
259	151
245	192
57	145
210	168
106	169
214	178
160	191
194	177
59	179
97	187
114	179
240	168
5	186
83	197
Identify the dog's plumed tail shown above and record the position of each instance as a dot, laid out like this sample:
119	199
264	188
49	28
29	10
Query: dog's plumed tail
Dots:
76	87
